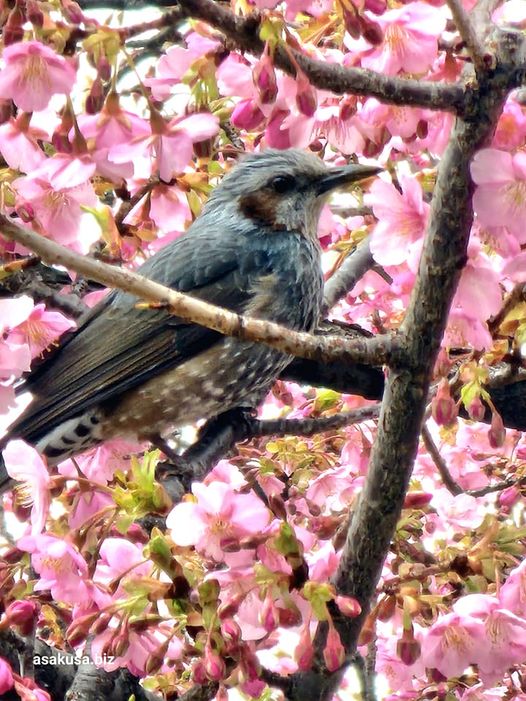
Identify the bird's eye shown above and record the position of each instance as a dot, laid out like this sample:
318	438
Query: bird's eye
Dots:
283	184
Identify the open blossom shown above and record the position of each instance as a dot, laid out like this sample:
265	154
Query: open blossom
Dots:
401	218
453	643
505	635
32	73
500	197
41	329
18	144
25	465
61	567
171	143
410	39
55	192
219	514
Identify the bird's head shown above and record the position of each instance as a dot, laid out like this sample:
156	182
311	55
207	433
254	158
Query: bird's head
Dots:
284	189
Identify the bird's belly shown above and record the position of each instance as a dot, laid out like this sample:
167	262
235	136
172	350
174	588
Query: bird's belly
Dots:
231	373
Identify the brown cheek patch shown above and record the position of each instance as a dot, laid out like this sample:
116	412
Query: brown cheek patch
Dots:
261	207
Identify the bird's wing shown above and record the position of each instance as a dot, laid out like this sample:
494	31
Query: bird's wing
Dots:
120	346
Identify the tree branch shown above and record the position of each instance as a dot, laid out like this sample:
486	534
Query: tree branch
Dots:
377	350
447	479
345	278
468	34
244	32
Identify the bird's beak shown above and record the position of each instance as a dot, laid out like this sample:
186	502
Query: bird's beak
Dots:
342	176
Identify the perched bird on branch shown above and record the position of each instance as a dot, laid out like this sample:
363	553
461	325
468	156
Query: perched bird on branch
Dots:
140	372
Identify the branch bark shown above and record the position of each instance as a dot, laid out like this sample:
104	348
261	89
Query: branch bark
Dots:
244	32
377	350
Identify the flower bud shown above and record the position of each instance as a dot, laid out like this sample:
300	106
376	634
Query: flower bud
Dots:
349	606
264	77
304	652
497	432
247	115
22	614
371	31
334	652
306	100
34	13
408	648
214	665
268	616
376	6
443	407
351	20
476	409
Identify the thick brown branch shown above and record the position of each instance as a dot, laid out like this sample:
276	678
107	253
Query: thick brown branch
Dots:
377	350
443	257
244	32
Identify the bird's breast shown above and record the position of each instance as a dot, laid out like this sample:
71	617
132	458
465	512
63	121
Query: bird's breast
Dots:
231	373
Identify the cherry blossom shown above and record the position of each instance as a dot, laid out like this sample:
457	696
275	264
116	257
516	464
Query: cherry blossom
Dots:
218	514
499	199
32	73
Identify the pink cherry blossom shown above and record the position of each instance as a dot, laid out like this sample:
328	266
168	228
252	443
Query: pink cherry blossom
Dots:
171	144
402	219
500	197
505	633
18	144
453	643
410	39
56	192
41	329
25	465
512	594
218	514
32	73
61	567
173	65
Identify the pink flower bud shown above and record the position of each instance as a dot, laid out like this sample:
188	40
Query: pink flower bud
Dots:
269	616
371	31
72	11
416	500
351	21
247	115
476	409
199	673
497	432
34	13
14	26
349	606
508	497
334	652
264	77
443	407
306	100
22	614
376	6
304	652
230	631
408	648
230	606
95	99
215	667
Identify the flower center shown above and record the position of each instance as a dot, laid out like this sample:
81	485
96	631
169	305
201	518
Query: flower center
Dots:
36	72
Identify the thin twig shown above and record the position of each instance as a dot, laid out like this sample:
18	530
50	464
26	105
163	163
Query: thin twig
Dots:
377	350
468	34
450	484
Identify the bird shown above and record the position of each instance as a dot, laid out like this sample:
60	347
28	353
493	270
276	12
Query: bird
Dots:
134	372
